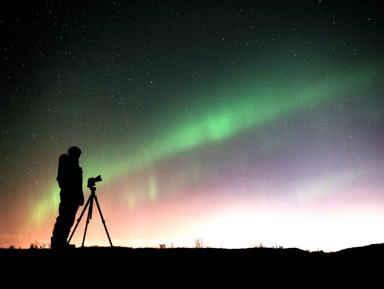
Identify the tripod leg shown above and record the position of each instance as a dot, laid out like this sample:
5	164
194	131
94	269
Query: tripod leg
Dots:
79	219
88	218
102	219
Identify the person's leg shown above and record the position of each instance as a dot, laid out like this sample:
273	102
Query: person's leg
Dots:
64	223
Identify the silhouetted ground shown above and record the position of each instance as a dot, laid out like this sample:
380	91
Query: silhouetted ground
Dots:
147	265
188	254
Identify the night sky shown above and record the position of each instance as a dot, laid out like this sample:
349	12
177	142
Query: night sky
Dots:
238	122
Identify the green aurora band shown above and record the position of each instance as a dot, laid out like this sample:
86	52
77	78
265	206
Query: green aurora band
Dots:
234	111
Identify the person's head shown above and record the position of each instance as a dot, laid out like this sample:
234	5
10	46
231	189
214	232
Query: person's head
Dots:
74	153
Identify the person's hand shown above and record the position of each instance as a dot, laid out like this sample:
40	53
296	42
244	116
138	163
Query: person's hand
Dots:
81	201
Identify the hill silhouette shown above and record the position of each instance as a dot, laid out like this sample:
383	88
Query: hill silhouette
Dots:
182	267
116	259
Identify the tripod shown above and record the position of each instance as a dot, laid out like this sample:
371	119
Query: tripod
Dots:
91	198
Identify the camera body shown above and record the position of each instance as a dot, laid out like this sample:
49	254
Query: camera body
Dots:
93	181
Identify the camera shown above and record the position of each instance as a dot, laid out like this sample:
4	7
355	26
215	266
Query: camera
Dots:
93	181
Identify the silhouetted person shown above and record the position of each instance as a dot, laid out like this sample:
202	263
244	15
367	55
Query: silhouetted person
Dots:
70	179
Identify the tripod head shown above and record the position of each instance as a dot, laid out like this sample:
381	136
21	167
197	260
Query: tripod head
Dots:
92	182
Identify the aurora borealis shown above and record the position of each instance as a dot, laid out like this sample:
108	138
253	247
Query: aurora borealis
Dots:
237	122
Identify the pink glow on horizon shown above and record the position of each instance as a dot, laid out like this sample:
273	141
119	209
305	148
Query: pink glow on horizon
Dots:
325	223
